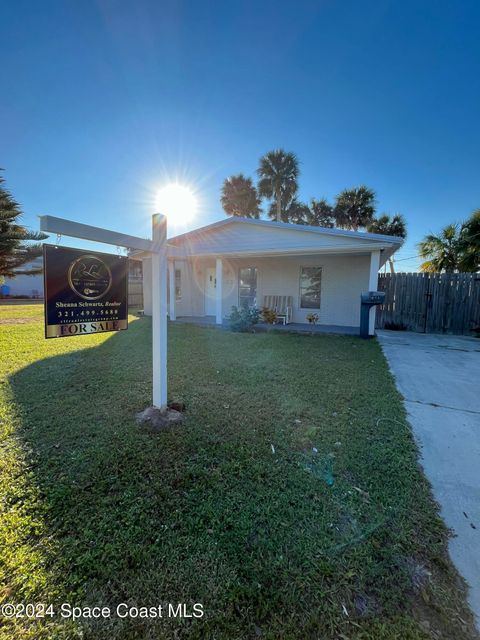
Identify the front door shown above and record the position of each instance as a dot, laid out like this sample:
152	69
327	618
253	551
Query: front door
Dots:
210	292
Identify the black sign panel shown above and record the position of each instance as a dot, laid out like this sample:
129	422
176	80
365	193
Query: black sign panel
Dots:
85	292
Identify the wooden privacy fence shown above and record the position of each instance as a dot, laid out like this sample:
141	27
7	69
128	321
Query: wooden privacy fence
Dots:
430	302
135	293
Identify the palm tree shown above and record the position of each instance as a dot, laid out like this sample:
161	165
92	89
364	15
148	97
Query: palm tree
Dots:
395	226
297	212
355	208
443	251
278	173
470	243
13	251
320	214
240	198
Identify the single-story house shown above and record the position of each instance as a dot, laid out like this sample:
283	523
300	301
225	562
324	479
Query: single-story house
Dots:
24	285
247	262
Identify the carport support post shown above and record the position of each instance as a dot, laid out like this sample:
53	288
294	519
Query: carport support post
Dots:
219	296
147	285
159	310
172	292
372	286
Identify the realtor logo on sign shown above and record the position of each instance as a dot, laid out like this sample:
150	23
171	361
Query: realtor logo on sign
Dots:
84	292
89	277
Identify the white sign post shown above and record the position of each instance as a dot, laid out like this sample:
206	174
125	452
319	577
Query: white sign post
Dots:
158	249
159	311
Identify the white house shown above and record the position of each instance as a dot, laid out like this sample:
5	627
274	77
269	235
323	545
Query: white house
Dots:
24	285
240	261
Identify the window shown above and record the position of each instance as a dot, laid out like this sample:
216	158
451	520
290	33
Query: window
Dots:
178	284
247	287
310	286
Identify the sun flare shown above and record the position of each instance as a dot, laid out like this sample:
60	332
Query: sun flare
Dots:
177	202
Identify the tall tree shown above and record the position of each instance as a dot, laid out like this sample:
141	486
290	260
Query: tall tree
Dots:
14	252
470	243
278	174
441	252
395	226
240	198
320	214
355	208
295	212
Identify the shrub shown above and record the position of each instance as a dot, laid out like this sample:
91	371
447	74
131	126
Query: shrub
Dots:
269	315
243	319
395	326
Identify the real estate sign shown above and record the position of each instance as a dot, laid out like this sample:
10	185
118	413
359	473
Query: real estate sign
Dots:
85	292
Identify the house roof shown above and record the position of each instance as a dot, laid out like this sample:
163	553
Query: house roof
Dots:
288	225
235	236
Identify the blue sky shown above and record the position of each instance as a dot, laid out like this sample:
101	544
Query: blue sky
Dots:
103	102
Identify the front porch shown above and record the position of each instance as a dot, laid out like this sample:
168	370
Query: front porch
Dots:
203	290
292	327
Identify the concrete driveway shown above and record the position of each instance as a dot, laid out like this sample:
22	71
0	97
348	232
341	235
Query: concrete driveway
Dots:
439	377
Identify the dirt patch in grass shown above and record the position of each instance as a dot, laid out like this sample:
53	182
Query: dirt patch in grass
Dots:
11	313
18	320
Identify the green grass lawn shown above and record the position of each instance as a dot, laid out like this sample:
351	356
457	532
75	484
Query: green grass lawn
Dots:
233	510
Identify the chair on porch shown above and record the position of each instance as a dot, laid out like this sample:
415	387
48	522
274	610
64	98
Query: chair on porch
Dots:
282	305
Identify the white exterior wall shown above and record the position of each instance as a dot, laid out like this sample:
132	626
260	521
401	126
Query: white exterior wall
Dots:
27	286
191	302
344	278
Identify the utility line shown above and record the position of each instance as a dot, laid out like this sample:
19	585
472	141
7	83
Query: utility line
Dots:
402	259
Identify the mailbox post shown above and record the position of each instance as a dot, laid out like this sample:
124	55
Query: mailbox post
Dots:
368	300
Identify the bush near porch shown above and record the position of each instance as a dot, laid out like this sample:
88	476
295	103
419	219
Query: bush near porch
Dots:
234	509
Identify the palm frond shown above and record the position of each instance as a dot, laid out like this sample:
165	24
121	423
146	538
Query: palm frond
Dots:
14	253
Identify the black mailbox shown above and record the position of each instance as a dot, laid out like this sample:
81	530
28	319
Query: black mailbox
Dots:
368	300
373	297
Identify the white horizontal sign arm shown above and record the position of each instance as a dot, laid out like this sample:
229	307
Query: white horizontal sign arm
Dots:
51	224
